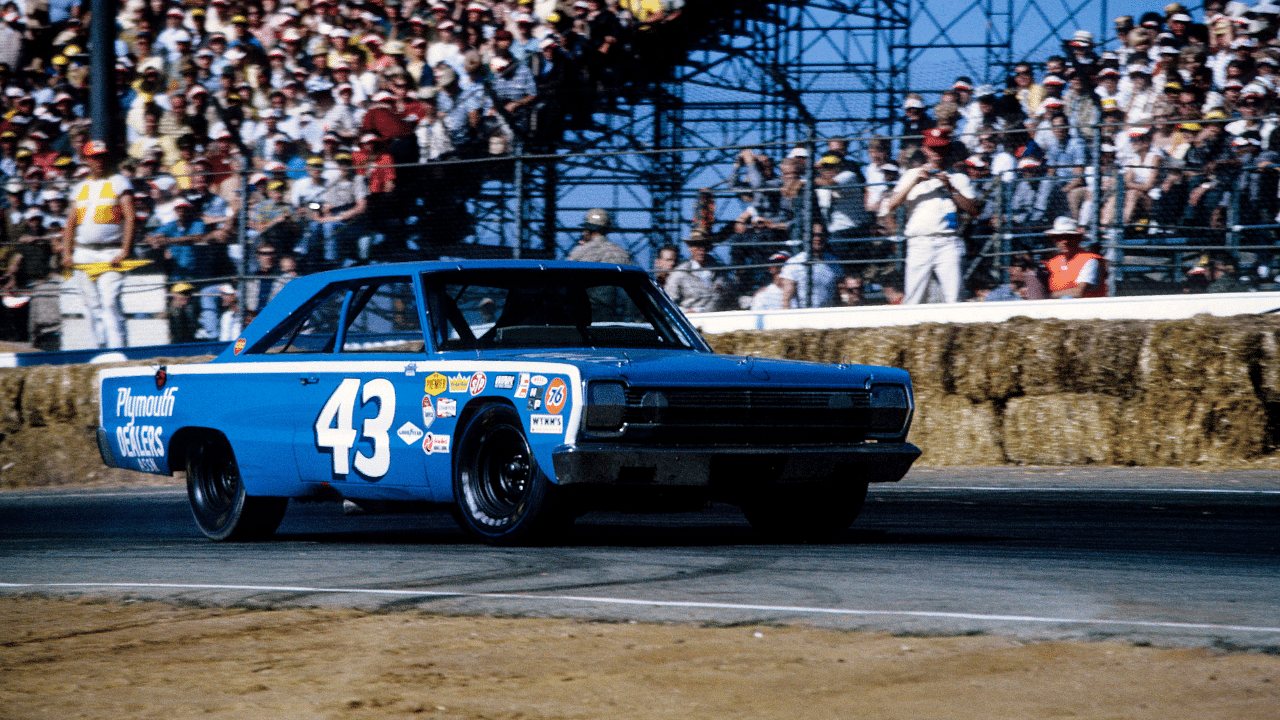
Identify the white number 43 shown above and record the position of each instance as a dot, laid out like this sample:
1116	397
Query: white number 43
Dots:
336	431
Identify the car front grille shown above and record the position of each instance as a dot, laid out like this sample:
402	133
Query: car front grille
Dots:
747	416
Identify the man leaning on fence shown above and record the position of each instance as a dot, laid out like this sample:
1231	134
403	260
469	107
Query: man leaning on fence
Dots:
933	197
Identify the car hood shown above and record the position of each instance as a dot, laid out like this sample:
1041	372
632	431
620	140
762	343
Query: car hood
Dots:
695	369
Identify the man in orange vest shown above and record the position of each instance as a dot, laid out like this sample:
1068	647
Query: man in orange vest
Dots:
1072	273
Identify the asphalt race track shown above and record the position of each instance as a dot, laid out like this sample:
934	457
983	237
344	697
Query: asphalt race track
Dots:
1160	556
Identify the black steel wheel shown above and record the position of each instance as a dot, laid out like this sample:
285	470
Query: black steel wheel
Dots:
503	497
218	501
805	512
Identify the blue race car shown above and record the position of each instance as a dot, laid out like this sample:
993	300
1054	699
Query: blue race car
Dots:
518	394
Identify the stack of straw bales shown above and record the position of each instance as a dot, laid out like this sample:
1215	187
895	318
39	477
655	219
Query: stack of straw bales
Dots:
1204	391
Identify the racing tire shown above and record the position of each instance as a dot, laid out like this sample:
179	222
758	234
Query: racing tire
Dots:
805	512
219	504
503	497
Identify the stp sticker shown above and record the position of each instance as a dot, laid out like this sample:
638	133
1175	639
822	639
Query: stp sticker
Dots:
446	408
477	383
557	393
539	380
432	443
409	433
546	424
458	383
435	384
522	390
428	411
240	345
504	382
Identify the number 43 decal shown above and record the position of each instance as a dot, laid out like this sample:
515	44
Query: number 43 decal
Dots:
335	429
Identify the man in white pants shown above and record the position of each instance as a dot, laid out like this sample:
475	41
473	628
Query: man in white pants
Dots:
100	230
933	197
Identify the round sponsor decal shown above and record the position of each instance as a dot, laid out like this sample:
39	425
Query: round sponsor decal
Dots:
539	380
557	393
240	345
477	383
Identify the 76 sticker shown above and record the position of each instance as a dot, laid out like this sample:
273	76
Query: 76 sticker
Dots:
557	393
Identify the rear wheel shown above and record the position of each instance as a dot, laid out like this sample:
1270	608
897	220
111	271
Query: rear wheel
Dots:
503	497
805	512
218	501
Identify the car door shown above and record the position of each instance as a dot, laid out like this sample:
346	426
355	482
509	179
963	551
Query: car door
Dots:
359	420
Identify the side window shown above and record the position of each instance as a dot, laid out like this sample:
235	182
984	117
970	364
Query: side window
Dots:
313	331
467	312
384	319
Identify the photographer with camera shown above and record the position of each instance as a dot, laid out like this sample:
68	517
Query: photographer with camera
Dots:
933	198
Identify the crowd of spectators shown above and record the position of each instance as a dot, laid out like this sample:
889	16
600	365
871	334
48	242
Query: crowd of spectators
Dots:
1186	107
332	110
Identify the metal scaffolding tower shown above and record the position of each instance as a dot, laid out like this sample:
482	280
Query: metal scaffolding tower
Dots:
770	73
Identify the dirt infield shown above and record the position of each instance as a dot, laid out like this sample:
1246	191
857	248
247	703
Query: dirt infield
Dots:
69	659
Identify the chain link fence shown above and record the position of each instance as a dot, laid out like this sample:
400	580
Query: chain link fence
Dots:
1173	208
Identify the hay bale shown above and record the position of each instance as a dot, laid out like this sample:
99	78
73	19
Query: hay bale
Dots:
875	346
57	454
986	361
1190	428
1102	357
11	382
1201	353
927	356
953	431
1044	362
1076	429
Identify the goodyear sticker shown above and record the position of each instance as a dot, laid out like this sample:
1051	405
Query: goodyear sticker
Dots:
459	383
409	433
557	394
435	384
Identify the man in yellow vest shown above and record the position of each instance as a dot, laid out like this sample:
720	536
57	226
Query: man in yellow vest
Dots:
100	225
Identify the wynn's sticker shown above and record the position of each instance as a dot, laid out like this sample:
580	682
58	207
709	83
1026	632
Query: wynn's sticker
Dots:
546	424
435	384
433	443
476	386
446	408
428	411
522	390
557	393
409	433
504	382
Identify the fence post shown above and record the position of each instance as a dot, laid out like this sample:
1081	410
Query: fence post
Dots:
242	237
806	214
1233	218
518	178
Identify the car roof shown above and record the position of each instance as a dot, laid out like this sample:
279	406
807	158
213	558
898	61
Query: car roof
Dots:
303	288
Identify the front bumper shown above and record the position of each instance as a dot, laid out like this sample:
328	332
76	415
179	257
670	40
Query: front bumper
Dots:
700	466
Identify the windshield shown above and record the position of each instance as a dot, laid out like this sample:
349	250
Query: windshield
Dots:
473	309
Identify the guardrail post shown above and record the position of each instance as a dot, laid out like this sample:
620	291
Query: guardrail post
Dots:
518	179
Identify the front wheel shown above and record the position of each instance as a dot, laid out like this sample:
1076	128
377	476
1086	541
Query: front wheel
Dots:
218	501
503	497
805	512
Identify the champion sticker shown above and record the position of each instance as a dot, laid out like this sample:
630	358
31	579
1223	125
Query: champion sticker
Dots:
459	383
409	433
446	408
504	382
434	384
557	393
522	389
432	443
428	411
546	424
539	380
476	386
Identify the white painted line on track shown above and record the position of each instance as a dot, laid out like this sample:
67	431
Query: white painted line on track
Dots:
1226	491
687	604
